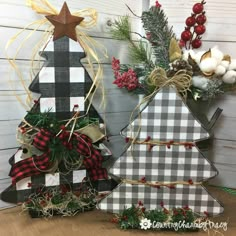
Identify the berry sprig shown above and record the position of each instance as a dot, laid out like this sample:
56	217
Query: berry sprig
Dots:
191	36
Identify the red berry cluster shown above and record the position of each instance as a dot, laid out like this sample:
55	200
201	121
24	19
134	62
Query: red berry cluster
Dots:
191	36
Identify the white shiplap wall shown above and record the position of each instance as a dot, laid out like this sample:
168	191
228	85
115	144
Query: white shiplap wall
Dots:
15	15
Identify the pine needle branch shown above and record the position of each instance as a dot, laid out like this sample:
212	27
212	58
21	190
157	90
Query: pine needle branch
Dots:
121	28
139	53
156	23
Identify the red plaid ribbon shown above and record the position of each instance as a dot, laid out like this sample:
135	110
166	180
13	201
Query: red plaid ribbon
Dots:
32	165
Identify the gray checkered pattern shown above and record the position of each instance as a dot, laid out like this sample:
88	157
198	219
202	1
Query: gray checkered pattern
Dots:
163	164
63	81
161	120
167	118
196	197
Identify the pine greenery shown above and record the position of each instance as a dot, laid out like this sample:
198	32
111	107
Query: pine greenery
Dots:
138	51
121	29
155	22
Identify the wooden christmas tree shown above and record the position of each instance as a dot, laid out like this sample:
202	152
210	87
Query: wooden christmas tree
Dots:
61	135
163	165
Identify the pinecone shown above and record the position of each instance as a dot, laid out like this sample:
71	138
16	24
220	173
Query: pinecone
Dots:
177	65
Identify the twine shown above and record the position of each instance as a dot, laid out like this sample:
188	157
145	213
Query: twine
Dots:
158	79
158	184
181	81
163	143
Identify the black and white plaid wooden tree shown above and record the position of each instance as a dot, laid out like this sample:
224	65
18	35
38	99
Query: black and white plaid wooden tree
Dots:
165	118
63	81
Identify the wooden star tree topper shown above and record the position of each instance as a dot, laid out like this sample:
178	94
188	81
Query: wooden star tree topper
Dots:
65	23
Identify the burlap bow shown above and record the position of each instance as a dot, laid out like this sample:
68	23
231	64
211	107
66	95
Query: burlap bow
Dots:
181	80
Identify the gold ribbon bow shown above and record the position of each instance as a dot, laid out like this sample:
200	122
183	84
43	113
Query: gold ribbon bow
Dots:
91	47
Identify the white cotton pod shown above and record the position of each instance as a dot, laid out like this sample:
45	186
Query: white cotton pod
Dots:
229	77
198	57
217	54
200	82
208	65
225	64
220	70
186	54
232	65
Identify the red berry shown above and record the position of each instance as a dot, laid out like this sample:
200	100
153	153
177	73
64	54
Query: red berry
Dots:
181	43
201	19
148	35
186	35
199	29
198	8
196	43
190	21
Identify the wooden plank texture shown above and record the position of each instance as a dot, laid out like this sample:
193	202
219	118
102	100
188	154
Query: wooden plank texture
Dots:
221	18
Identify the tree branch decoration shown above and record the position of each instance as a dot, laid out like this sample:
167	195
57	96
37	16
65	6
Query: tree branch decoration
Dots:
212	72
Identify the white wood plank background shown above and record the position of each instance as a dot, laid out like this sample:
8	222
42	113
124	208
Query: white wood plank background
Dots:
14	15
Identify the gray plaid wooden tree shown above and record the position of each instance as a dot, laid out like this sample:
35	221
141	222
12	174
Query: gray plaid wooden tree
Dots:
165	118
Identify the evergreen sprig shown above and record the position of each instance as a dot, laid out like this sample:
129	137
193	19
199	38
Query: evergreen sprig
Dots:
131	217
61	200
155	23
47	120
138	51
121	28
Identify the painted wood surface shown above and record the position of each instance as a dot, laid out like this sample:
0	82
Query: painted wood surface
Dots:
220	31
14	16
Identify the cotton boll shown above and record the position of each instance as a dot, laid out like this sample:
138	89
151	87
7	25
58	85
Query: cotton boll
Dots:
217	54
220	70
232	65
187	53
198	57
225	64
200	82
208	65
229	77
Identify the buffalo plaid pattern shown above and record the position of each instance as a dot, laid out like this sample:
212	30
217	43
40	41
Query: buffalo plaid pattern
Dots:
63	81
42	139
19	192
29	167
165	118
32	165
92	158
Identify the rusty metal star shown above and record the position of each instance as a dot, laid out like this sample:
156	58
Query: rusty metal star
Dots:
64	23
